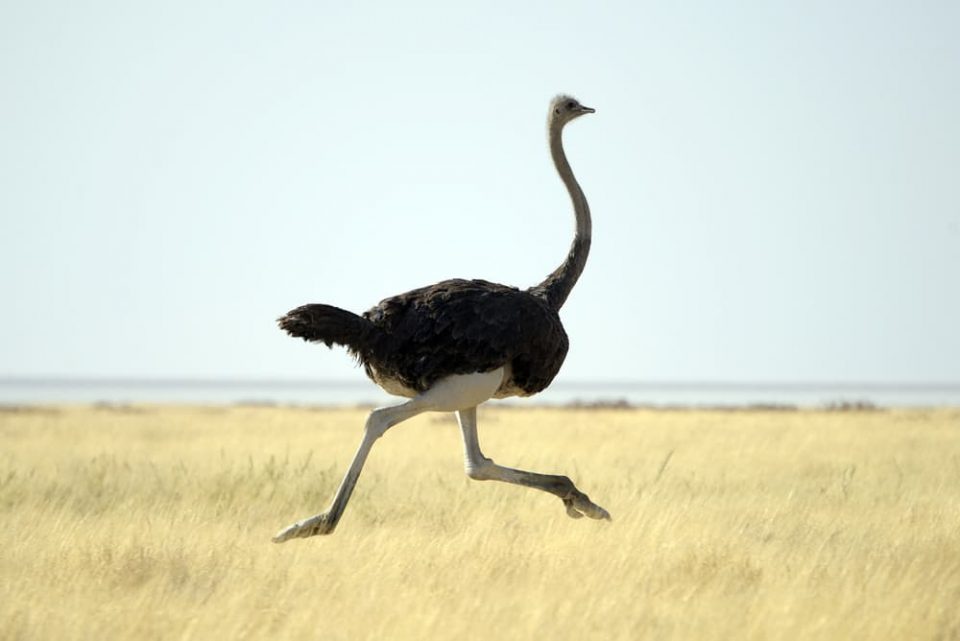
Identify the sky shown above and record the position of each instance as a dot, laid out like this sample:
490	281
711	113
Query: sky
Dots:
775	187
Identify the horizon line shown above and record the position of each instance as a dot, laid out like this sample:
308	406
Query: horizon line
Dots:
211	381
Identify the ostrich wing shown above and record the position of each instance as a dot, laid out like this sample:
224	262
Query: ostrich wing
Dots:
466	326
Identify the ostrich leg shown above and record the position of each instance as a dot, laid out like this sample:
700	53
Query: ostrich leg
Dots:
448	395
480	468
379	421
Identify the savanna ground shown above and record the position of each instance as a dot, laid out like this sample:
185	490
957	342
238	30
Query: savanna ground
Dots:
155	523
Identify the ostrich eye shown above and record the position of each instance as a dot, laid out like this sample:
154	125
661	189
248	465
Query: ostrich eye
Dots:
571	105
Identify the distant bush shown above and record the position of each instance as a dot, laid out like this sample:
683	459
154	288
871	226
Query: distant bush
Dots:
851	406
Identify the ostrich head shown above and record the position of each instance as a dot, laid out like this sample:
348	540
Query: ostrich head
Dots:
565	108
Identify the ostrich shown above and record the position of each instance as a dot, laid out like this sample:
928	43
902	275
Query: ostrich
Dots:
451	346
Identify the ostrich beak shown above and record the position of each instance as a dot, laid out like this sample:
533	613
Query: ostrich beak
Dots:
587	110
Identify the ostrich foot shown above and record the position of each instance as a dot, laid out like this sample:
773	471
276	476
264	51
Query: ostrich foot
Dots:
319	524
579	505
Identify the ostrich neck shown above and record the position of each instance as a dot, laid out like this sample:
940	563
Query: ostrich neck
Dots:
557	286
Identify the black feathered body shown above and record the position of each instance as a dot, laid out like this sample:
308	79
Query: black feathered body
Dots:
408	342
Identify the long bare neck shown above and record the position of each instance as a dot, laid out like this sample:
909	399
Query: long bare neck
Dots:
557	286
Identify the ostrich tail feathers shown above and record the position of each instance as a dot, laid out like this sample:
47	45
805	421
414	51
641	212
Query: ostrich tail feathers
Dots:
331	326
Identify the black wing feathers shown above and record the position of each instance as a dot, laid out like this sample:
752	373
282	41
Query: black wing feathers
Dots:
453	327
466	326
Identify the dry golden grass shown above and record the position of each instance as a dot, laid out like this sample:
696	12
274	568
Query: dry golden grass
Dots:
155	523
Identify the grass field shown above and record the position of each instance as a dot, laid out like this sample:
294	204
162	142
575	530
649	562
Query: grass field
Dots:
155	523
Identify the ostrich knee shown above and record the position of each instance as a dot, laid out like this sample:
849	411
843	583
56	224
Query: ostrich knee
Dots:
480	470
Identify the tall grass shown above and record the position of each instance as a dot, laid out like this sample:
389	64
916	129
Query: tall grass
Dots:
155	523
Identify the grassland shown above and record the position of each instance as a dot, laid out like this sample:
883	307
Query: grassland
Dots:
155	523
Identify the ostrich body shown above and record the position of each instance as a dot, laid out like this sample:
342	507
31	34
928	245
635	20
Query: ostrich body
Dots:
453	345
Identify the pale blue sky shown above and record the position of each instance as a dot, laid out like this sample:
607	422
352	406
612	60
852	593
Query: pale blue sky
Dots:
775	189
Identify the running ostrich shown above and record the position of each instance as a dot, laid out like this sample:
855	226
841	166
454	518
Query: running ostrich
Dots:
453	345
